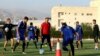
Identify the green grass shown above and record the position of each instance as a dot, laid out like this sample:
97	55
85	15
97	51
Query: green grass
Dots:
88	50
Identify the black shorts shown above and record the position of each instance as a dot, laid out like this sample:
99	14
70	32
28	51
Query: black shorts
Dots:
96	39
46	37
8	36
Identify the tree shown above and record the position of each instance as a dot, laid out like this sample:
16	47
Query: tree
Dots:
55	33
87	30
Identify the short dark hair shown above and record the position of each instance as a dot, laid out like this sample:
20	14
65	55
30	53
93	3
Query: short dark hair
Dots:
47	18
31	23
94	20
26	18
8	19
64	24
77	21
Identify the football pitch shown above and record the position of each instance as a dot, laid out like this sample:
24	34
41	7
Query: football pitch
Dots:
87	50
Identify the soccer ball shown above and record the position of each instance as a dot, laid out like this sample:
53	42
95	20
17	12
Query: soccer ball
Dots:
41	51
6	29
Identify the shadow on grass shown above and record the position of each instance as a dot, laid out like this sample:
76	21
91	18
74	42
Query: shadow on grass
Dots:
96	54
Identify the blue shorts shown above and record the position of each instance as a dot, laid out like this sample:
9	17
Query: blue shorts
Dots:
31	37
21	35
67	41
78	38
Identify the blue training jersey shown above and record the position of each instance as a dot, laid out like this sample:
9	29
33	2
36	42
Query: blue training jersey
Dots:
79	30
22	26
31	31
68	32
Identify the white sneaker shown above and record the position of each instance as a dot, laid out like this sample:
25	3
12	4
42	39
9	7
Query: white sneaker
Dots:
23	53
12	51
53	49
96	48
76	48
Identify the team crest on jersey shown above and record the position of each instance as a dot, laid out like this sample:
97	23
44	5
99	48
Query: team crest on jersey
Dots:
31	28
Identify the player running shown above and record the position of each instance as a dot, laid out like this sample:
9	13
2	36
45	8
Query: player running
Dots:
68	37
21	30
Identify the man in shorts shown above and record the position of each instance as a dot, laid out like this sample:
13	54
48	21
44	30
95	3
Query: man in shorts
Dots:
96	34
79	31
31	34
21	30
7	28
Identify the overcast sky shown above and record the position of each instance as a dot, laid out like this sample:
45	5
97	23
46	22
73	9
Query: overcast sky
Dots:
43	6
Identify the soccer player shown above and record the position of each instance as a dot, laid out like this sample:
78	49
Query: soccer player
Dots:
31	34
7	28
21	30
45	32
37	31
79	31
68	36
95	34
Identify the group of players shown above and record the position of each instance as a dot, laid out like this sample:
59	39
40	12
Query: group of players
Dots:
67	32
22	30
